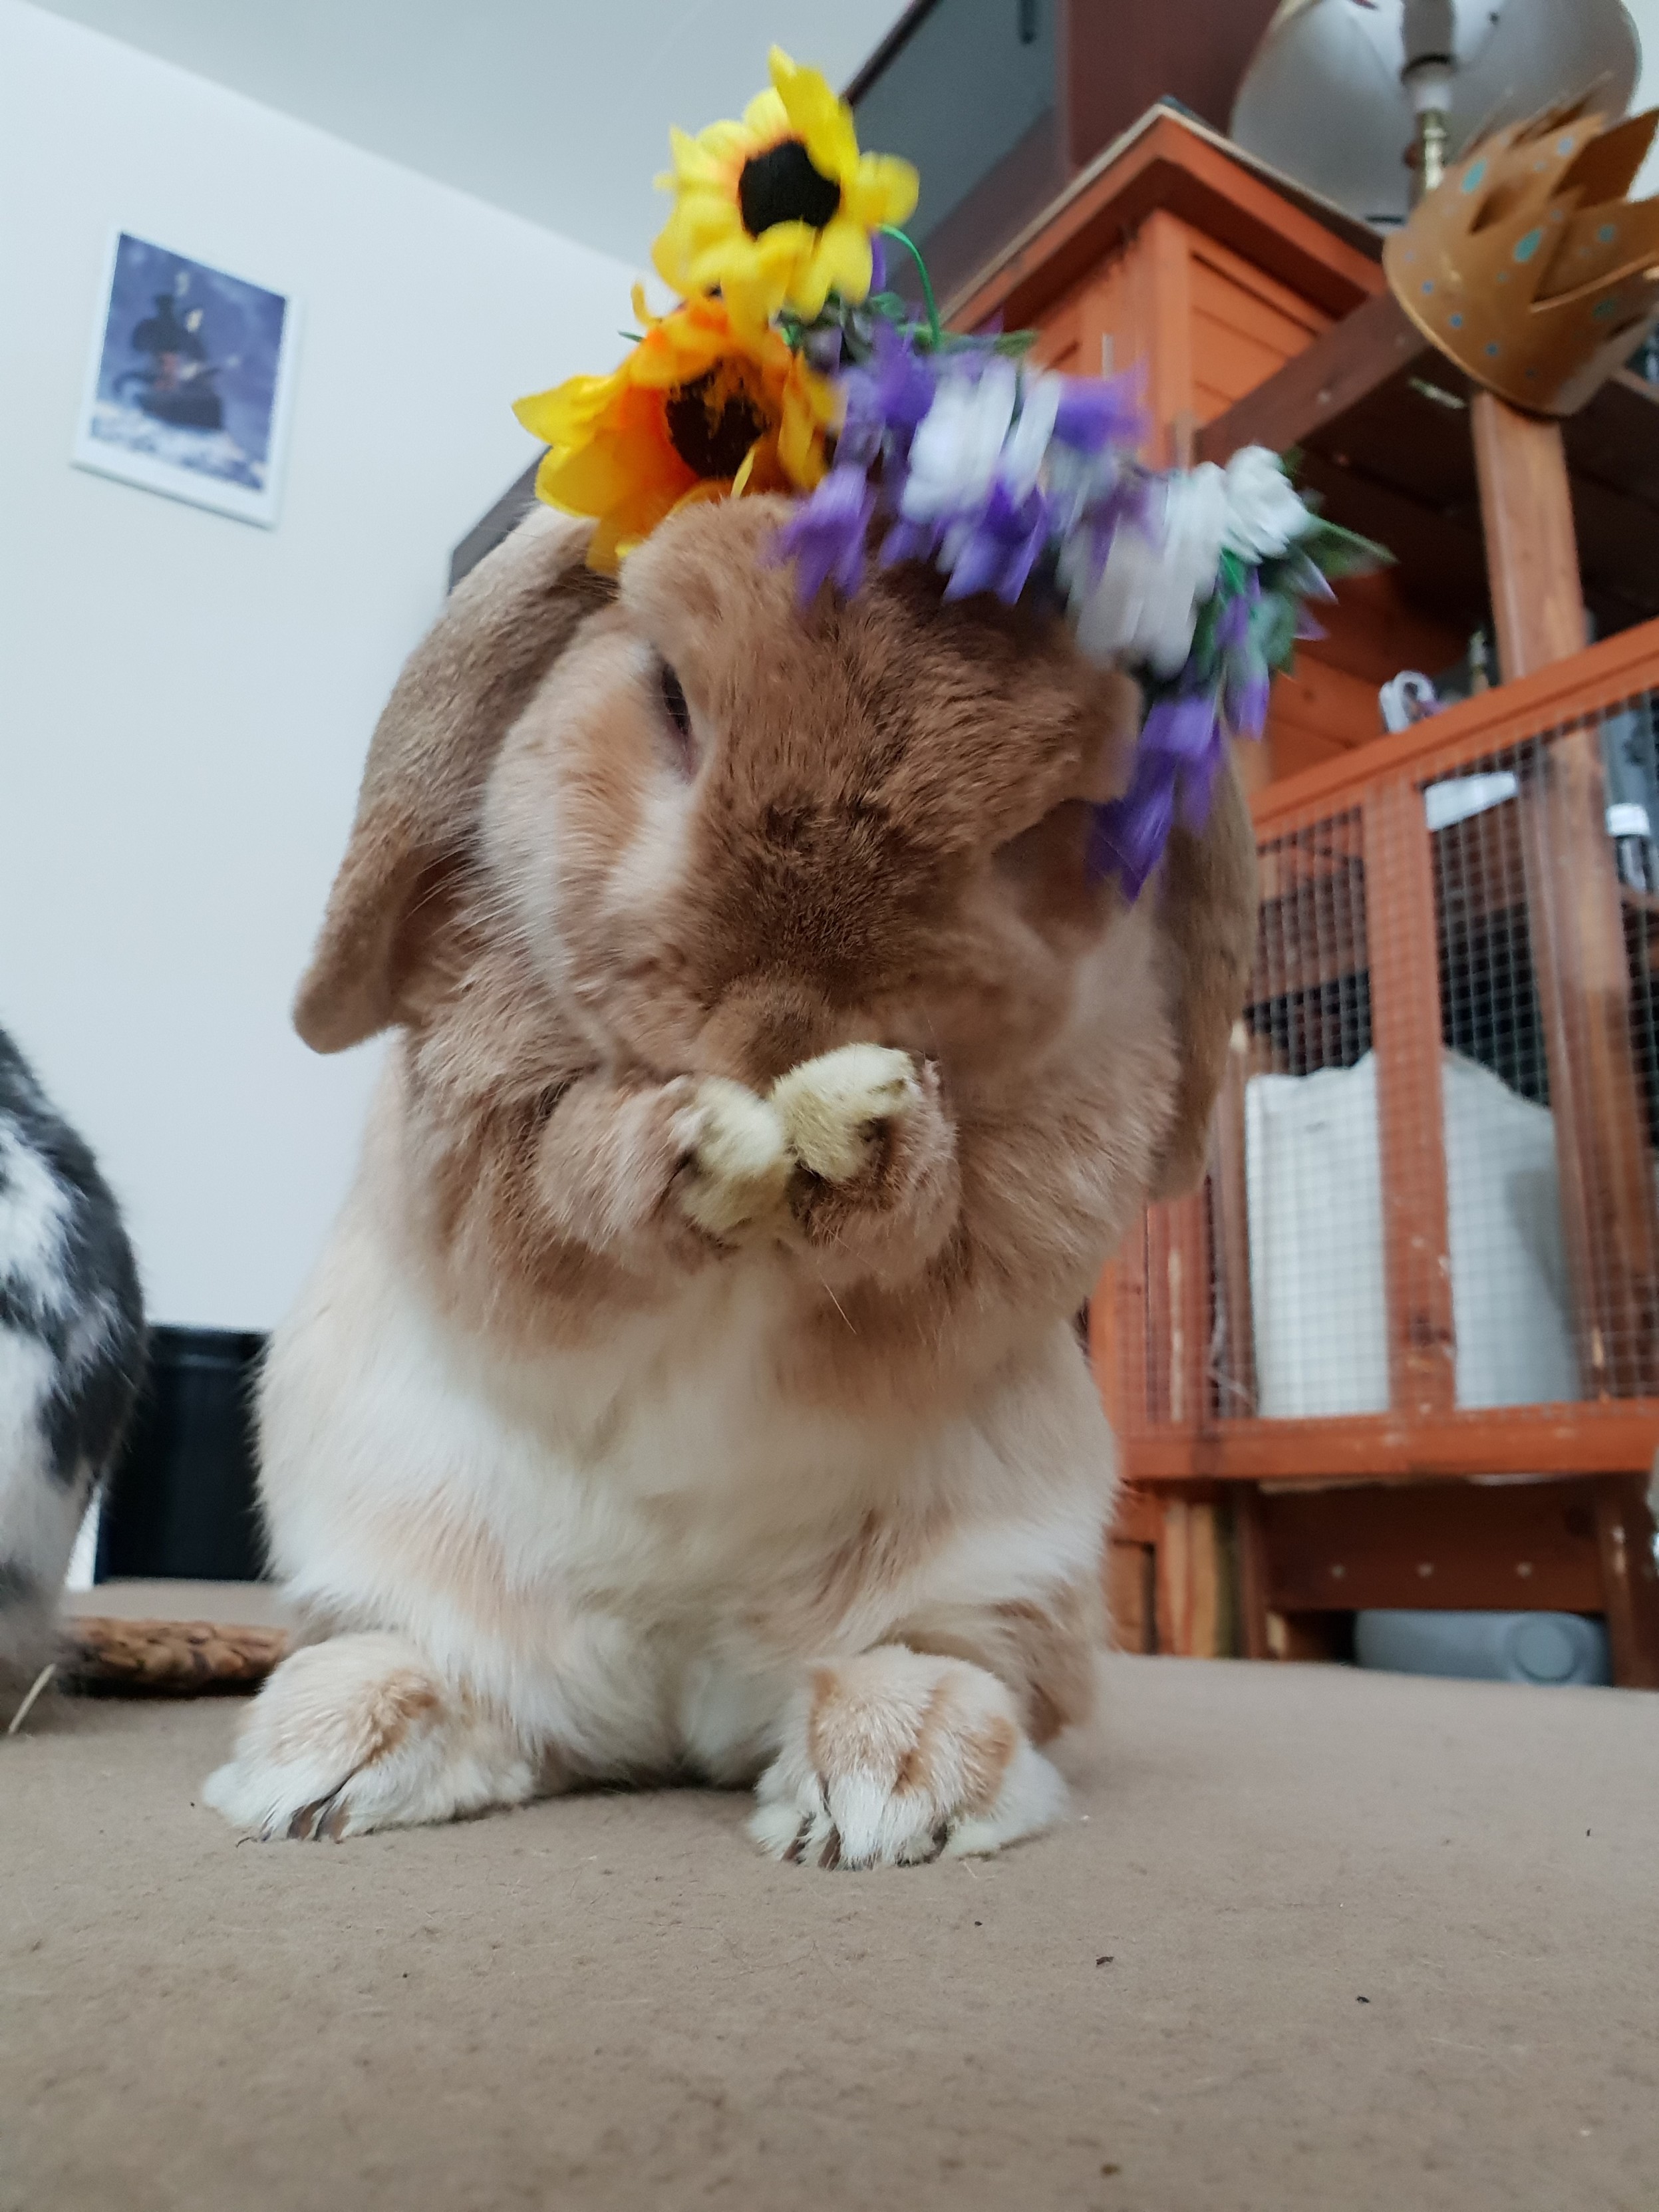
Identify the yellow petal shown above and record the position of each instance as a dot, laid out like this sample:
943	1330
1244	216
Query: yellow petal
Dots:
882	189
800	444
840	263
722	145
703	217
766	119
568	410
823	122
667	260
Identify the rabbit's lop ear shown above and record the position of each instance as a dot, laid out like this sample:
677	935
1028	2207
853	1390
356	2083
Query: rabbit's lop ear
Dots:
460	691
1207	911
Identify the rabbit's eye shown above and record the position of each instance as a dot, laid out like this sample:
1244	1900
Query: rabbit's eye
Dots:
679	715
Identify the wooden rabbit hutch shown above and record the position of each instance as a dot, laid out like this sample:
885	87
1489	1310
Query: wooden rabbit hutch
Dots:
1403	1349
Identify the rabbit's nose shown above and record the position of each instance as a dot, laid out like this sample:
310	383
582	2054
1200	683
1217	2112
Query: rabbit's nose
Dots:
764	1026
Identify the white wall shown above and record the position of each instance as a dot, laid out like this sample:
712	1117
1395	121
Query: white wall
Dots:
186	700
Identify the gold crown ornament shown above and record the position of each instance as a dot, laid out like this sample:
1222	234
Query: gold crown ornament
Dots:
1528	264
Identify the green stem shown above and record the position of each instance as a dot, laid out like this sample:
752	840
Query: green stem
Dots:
903	238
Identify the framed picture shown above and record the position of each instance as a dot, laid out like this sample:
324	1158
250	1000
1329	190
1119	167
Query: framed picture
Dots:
188	387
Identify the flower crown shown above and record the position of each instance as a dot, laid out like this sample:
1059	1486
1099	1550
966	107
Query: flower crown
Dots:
789	365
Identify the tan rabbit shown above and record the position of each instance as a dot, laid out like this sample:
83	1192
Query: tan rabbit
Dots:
691	1386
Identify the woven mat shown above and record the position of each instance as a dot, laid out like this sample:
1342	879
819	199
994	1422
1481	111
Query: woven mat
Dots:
172	1640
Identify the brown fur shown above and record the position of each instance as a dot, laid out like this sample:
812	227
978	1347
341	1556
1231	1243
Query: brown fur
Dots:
1045	1653
885	841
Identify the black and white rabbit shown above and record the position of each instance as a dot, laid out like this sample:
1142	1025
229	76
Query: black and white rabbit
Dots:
71	1355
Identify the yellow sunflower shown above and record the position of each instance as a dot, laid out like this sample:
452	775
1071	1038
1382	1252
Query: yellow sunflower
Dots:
777	210
699	409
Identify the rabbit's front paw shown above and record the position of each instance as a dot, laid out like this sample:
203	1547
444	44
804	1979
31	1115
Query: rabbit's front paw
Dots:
738	1162
356	1734
834	1110
896	1756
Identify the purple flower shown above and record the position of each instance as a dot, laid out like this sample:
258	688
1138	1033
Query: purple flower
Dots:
887	398
825	535
1245	673
1094	415
995	548
1183	746
1128	834
910	541
1182	730
1244	698
1232	630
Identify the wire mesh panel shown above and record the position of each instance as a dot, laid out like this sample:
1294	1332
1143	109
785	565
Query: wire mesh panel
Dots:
1312	1183
1511	1296
1433	1185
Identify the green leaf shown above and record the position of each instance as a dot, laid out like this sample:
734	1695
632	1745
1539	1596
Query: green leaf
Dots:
1339	552
1273	629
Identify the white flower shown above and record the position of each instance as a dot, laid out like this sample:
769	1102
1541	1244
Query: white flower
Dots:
1023	452
1145	607
1263	512
969	439
958	443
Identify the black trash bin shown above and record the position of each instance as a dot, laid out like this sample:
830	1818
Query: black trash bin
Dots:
181	1502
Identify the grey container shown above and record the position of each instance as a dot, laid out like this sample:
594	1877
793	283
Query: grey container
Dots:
1487	1647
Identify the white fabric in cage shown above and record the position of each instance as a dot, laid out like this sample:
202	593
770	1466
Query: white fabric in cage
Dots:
1317	1251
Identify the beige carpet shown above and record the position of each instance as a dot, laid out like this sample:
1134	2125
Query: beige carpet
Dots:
613	2001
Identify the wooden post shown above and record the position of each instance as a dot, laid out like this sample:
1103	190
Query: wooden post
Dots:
1532	552
1574	915
1630	1581
1252	1572
1188	1578
1401	931
1232	1218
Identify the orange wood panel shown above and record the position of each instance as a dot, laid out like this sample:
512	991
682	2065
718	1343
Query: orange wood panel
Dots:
1178	1309
1253	1605
1614	1437
1293	748
1601	677
1165	268
1317	700
1405	972
1246	325
1131	1587
1188	1579
1059	335
1135	1515
1630	1581
1520	1546
1372	634
1191	172
1114	339
1117	1336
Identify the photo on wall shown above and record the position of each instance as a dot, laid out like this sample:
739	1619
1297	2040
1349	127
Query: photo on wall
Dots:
187	389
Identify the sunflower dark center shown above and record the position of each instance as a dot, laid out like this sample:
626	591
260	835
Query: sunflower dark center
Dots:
712	423
781	185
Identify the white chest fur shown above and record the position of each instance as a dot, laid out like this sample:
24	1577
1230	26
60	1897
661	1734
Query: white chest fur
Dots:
635	1545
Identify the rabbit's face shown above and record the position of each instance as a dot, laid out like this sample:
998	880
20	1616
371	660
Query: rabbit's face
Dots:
734	833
